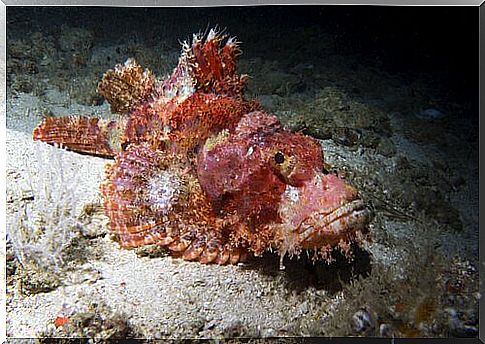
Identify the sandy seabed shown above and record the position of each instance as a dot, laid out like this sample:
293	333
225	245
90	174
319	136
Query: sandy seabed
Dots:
417	277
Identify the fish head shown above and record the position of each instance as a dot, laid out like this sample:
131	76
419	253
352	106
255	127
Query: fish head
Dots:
275	179
317	210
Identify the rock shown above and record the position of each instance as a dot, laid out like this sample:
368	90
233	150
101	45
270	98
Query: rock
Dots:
386	147
34	280
430	114
345	136
458	327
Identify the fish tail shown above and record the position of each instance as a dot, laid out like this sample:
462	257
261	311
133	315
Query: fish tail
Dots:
85	135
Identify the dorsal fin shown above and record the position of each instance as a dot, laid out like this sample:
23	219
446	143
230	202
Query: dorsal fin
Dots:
208	64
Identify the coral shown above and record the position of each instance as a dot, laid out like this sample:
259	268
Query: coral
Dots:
204	172
43	228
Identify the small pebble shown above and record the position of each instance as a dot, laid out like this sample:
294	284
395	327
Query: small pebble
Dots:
304	307
267	333
211	324
385	330
361	321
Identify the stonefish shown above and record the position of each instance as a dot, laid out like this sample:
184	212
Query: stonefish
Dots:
205	172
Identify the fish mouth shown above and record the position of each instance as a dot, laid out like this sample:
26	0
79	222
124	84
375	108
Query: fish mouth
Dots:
329	227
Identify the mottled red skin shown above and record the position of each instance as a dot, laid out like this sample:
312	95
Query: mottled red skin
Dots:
188	228
257	187
216	67
183	127
245	174
216	103
240	174
80	134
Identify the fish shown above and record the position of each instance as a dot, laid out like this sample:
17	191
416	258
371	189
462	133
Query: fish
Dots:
205	172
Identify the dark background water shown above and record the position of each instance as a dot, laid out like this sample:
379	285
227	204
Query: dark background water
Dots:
409	40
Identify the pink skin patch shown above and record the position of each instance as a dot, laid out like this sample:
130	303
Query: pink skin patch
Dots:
320	213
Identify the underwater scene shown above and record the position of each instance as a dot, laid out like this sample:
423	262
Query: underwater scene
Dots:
242	172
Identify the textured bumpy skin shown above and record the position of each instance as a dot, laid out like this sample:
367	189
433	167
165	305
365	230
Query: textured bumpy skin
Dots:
152	198
81	134
126	85
204	172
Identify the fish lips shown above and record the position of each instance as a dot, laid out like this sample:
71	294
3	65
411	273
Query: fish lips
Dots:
329	228
323	212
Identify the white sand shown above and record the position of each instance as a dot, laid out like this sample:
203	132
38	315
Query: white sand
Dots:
167	297
160	296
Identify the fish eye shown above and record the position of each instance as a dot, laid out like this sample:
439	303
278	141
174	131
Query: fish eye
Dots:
279	158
